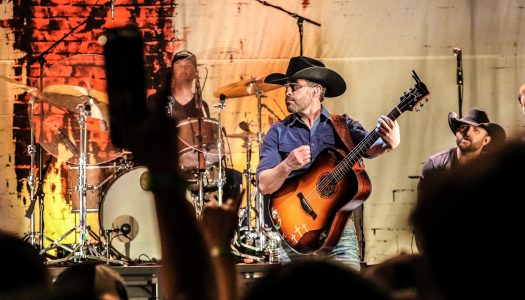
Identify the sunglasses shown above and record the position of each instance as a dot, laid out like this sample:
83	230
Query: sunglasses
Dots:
293	85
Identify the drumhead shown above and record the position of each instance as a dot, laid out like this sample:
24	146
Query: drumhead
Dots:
188	132
127	205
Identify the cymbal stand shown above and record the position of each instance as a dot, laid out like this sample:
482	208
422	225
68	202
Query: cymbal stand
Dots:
258	196
248	238
220	179
252	238
31	150
84	250
84	112
34	237
248	173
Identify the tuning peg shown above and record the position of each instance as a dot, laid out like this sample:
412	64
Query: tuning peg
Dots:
417	110
421	104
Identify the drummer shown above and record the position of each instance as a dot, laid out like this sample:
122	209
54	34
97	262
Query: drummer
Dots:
177	91
177	94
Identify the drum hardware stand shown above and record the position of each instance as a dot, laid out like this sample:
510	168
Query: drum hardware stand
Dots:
31	209
200	169
199	206
248	235
32	236
258	241
252	238
84	250
41	58
220	182
110	250
258	196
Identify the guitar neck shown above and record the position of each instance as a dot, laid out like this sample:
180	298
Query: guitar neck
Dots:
359	151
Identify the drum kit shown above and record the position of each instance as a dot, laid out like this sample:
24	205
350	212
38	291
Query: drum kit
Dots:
69	119
253	239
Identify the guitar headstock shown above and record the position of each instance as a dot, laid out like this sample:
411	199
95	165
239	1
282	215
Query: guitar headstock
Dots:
413	98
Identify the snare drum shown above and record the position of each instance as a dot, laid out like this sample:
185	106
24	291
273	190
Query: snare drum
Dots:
188	132
126	201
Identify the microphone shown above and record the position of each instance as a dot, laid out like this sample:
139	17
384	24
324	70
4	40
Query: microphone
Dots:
198	92
459	74
244	126
112	10
223	98
125	228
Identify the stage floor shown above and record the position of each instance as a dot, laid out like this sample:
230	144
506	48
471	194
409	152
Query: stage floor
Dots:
142	281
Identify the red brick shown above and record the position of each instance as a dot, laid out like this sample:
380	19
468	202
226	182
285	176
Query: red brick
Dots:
59	11
55	18
52	24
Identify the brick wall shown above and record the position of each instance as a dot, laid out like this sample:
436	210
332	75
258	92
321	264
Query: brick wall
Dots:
35	27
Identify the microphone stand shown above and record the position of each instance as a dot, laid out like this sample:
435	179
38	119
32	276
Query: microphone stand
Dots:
270	111
299	18
459	79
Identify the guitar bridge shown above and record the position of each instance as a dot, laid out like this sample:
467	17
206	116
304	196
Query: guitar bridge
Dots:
306	206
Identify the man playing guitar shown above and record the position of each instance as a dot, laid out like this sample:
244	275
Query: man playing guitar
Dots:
292	146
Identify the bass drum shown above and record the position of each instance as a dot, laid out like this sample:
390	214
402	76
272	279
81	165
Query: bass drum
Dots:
128	209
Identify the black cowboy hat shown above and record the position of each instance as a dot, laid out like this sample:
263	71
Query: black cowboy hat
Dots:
479	118
302	67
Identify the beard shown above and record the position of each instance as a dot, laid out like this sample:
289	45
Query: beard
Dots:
185	76
468	145
297	104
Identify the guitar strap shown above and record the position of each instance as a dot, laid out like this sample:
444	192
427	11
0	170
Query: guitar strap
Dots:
342	131
356	215
344	134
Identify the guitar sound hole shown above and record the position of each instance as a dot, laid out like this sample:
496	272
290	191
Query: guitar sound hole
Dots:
326	185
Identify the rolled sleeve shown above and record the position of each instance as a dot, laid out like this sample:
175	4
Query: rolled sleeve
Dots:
269	152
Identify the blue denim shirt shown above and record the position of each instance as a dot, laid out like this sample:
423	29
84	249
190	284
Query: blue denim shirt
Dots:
286	135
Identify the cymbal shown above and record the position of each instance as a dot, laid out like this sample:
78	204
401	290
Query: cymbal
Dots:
77	91
59	132
68	97
245	87
20	85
